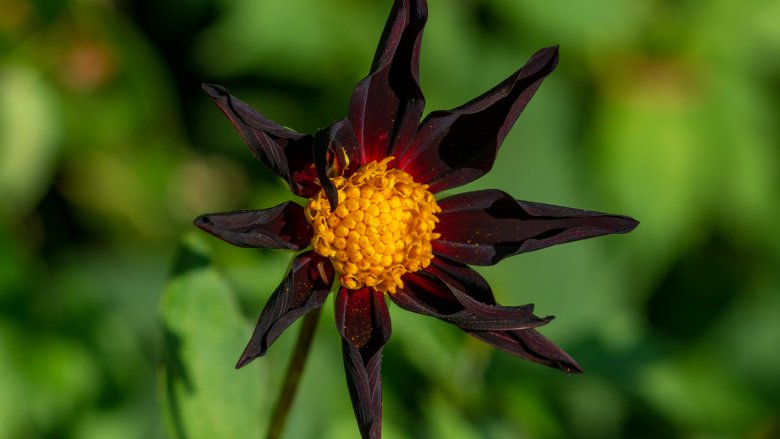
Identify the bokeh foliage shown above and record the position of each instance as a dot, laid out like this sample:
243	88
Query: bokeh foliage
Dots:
117	321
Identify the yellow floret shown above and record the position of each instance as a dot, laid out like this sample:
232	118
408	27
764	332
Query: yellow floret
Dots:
381	229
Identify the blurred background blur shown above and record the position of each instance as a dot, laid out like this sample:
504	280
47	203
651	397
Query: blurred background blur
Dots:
118	320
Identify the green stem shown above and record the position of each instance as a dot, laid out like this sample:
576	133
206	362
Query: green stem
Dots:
293	377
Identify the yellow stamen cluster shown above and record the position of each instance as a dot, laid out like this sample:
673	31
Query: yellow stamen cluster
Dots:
381	229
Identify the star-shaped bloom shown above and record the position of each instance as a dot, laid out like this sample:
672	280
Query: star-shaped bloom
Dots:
373	228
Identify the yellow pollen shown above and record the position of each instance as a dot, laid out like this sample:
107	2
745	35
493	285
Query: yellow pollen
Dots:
382	228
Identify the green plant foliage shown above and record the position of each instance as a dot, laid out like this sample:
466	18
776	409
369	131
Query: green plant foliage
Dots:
202	395
115	322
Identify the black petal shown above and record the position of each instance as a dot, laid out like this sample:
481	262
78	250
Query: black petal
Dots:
484	227
454	147
283	226
284	151
448	291
364	324
305	288
387	105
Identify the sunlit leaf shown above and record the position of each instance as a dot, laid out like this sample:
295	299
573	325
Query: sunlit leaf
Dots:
203	395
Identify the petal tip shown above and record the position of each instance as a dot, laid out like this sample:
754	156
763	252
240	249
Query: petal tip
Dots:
629	224
214	90
243	361
570	368
247	357
553	54
203	222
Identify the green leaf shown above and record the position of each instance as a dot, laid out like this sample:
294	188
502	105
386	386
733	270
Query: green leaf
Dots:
203	395
28	136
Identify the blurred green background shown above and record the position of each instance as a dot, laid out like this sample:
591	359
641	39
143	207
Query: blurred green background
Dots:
118	320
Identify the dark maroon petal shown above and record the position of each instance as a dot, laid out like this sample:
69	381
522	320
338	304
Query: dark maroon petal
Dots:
484	227
305	288
469	280
454	147
436	293
283	226
284	151
335	153
445	289
386	106
364	324
530	345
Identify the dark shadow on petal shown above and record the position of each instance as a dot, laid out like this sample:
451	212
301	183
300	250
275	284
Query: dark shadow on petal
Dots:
282	227
484	227
363	321
530	345
454	147
305	288
451	297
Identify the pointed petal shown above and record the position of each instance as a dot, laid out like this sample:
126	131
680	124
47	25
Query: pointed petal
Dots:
386	106
283	226
363	321
484	227
454	147
530	345
436	293
284	151
305	288
447	291
335	149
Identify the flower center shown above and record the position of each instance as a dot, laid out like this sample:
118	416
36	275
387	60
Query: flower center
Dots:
381	229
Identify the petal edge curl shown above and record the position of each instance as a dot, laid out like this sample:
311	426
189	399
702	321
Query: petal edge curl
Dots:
281	227
286	152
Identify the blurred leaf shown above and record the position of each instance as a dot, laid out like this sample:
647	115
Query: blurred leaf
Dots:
528	410
652	156
594	25
119	424
447	420
53	376
699	395
12	416
741	130
13	265
28	135
203	395
290	39
595	408
429	344
748	334
448	54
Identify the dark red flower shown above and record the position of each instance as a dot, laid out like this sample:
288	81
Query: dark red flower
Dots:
373	225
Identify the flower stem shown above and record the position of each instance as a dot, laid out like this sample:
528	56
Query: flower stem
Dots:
294	373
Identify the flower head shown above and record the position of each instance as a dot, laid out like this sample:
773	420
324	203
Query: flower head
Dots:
373	228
